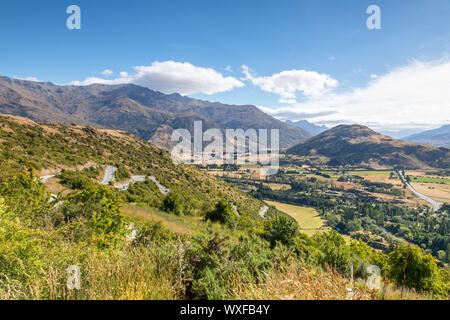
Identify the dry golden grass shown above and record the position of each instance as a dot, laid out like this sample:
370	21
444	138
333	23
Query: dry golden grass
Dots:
179	225
384	178
55	187
277	186
133	274
302	284
436	191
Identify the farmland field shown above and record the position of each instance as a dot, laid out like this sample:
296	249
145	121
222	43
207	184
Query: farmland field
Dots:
308	218
430	180
438	192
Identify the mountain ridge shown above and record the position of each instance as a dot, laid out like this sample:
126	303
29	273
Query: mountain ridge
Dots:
439	137
359	145
132	108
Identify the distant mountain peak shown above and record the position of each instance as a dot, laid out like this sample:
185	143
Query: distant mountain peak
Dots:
308	126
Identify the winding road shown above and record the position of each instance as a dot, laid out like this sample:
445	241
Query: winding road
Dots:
435	205
109	175
46	178
125	186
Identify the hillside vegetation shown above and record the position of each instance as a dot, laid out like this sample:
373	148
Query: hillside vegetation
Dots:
26	145
201	247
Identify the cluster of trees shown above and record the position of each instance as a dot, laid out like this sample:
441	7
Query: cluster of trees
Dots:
351	214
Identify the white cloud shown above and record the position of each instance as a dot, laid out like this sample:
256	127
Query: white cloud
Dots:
287	83
93	80
287	101
34	79
228	68
416	95
107	72
373	76
173	77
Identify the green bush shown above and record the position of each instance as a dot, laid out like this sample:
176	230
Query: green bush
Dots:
122	173
172	204
74	180
222	213
333	251
281	228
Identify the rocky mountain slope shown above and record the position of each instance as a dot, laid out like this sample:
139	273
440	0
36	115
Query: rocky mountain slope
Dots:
148	114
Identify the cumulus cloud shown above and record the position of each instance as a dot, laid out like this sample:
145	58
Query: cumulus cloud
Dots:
287	83
173	77
415	95
107	72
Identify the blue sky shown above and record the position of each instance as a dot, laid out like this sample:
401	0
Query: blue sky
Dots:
327	40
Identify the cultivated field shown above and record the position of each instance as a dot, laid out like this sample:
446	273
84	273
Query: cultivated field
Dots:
308	218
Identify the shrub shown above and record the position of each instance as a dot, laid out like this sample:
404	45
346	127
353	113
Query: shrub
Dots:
333	251
172	204
74	180
222	213
281	228
122	173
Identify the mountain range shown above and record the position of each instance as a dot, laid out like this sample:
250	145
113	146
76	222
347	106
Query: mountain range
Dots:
148	114
308	126
359	145
438	137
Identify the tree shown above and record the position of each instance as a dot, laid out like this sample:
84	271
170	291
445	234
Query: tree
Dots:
172	204
222	213
333	251
411	268
281	228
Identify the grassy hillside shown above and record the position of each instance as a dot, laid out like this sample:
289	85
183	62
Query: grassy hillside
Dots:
26	145
190	244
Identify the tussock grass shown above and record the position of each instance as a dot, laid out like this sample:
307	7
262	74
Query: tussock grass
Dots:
302	283
133	274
